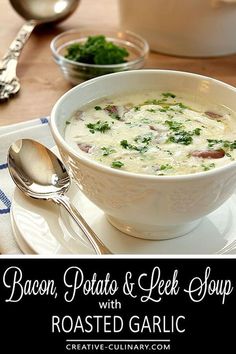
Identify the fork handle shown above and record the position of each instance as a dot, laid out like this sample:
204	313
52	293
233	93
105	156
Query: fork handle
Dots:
18	43
8	80
95	242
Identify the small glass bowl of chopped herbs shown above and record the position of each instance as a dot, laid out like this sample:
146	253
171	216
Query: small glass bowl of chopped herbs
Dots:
84	54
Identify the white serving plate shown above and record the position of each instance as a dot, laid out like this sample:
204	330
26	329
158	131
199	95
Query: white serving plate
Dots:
43	228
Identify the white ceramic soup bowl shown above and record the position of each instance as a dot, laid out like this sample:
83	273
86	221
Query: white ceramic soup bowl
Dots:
146	206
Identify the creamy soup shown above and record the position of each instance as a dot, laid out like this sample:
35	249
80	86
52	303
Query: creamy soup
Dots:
154	133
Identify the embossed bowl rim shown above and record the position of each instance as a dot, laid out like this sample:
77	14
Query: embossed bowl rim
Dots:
103	168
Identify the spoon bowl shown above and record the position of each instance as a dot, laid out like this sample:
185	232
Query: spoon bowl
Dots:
45	11
48	175
40	174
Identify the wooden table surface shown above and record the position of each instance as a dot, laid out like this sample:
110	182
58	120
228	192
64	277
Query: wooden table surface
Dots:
41	81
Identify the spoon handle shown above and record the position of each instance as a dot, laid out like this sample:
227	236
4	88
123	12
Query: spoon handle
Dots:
9	82
96	243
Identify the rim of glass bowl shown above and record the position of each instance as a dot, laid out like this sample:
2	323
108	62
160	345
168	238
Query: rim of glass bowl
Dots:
60	58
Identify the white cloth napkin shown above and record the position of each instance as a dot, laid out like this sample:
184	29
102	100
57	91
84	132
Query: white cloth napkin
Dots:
36	129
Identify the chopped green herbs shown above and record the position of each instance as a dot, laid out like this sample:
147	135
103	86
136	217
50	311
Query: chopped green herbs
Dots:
151	110
183	137
114	116
126	145
155	101
169	152
107	151
197	131
117	164
208	167
98	108
230	156
167	106
101	127
165	167
213	142
96	50
142	149
222	143
112	111
181	105
144	139
168	94
174	125
68	122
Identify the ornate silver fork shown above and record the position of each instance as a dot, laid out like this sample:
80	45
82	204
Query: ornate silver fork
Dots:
36	12
9	82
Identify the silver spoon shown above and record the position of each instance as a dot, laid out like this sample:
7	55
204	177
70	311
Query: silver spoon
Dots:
36	12
39	174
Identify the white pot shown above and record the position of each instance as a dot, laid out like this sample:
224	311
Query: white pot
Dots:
197	28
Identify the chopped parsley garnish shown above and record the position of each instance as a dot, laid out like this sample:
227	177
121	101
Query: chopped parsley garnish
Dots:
168	94
165	167
183	137
126	145
96	50
222	143
136	108
169	152
99	127
181	105
142	149
144	139
151	110
117	164
230	156
167	105
98	108
155	101
107	151
68	122
208	167
197	131
174	125
114	116
212	142
112	111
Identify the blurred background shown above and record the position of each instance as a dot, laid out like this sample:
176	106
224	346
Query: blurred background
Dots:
182	35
